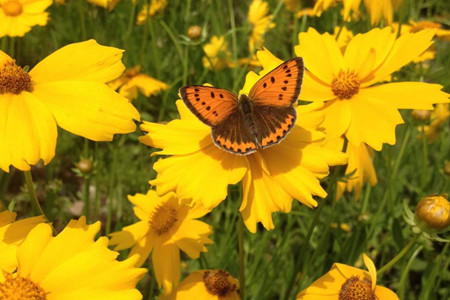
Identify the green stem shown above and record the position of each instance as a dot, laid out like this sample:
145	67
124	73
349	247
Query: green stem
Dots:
233	35
82	20
402	283
398	256
33	197
241	257
177	48
156	59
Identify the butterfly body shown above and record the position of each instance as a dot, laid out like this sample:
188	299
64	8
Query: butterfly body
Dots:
248	123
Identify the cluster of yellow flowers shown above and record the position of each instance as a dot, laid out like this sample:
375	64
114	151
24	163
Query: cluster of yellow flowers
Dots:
352	108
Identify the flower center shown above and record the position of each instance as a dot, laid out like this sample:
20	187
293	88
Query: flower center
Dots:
345	85
13	79
163	219
12	8
19	288
356	289
217	283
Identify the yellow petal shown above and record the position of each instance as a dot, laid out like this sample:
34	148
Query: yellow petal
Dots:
32	248
89	109
406	48
372	270
409	95
326	287
189	235
143	247
176	137
380	41
36	6
338	117
262	196
373	120
313	89
320	53
129	235
166	264
146	84
384	293
84	61
189	175
29	130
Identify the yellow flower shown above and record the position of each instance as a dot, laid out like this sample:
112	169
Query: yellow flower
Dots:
343	282
66	88
438	117
206	285
12	233
359	168
271	178
109	4
18	16
355	106
69	266
344	37
164	228
133	80
382	10
261	22
349	7
155	7
217	53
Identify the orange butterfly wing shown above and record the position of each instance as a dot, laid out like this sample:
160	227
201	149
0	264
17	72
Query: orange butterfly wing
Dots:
218	108
210	104
281	86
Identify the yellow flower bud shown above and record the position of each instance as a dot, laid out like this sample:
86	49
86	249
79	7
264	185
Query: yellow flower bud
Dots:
434	212
194	32
85	165
421	115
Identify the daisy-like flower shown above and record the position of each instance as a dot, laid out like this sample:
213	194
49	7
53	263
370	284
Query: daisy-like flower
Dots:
66	88
261	22
344	282
271	178
206	285
382	10
133	80
437	117
151	10
69	266
355	107
18	16
12	233
217	53
165	228
349	7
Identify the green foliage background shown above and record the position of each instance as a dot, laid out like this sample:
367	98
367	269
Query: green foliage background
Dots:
303	246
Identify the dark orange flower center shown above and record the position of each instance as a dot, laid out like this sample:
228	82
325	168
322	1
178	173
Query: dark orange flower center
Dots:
163	219
15	288
12	8
217	283
13	79
345	84
357	289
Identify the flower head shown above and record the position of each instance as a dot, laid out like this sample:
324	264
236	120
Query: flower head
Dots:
155	7
18	16
200	172
12	233
66	88
207	285
382	10
433	212
165	228
133	80
438	117
344	282
355	107
261	22
46	264
217	56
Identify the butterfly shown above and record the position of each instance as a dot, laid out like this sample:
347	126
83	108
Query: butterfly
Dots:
248	123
